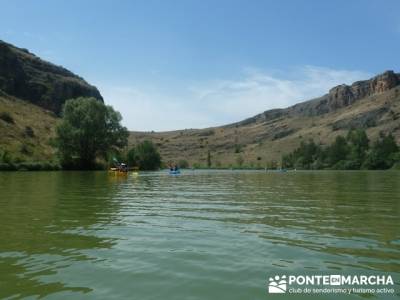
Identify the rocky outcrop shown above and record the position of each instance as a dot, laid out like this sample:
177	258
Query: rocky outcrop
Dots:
344	95
26	76
338	97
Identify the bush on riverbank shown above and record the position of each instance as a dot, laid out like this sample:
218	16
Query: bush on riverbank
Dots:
30	166
6	117
9	162
352	152
183	164
145	156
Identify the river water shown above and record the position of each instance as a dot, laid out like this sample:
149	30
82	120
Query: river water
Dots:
200	235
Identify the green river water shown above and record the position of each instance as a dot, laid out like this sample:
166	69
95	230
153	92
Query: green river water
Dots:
200	235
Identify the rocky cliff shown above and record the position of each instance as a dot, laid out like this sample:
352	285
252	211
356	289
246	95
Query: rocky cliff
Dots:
338	97
26	76
345	95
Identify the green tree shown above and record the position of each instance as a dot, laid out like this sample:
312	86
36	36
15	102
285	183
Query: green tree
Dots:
238	148
89	129
337	151
183	163
305	155
147	156
358	147
209	159
239	160
288	160
351	152
396	160
383	153
131	157
6	117
5	157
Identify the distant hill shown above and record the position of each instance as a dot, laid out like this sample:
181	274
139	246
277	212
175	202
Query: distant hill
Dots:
27	77
372	104
32	92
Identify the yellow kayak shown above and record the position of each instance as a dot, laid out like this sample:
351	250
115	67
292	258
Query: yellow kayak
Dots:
117	172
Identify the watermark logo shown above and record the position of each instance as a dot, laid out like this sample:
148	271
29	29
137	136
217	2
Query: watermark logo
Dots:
331	284
277	285
335	280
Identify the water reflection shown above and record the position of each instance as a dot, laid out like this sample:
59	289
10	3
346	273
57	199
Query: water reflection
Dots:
47	222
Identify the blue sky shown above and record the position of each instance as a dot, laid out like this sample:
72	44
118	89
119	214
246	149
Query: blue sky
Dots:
190	64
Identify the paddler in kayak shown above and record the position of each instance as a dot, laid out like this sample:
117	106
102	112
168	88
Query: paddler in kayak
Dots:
173	169
123	168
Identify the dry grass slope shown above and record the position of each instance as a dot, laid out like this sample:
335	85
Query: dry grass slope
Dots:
259	141
27	137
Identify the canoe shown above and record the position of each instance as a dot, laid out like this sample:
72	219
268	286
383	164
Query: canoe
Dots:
177	172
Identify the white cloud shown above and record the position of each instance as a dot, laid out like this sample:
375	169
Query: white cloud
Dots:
146	110
217	102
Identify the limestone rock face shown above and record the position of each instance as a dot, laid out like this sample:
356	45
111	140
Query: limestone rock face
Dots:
384	82
344	95
26	76
338	97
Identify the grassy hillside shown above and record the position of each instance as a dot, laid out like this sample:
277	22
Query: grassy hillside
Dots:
260	140
26	130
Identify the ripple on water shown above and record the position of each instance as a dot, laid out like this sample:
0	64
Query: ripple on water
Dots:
202	235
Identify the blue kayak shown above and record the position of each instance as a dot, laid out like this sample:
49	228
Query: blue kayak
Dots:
177	172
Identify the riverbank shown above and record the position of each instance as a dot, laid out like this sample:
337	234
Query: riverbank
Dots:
30	166
51	166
